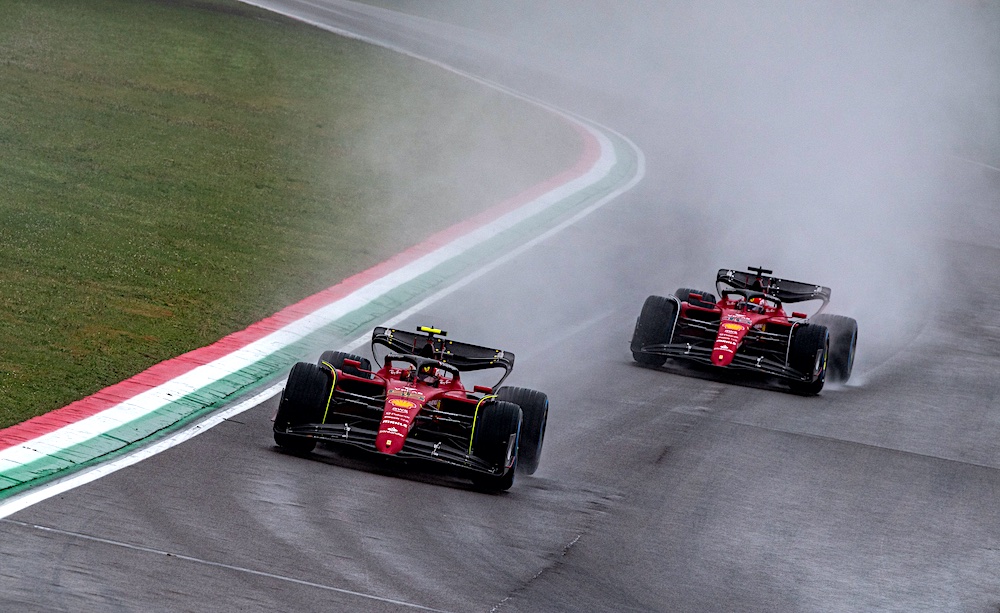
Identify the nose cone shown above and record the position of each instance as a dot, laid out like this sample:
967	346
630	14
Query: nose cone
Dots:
390	440
722	354
727	341
397	420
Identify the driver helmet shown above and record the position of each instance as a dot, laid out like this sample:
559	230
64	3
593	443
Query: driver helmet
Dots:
427	372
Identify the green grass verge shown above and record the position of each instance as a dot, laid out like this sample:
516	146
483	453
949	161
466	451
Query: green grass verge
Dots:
172	172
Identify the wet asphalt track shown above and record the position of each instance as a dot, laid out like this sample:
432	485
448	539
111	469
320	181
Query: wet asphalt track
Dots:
657	491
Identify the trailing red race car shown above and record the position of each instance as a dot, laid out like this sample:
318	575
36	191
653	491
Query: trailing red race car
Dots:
416	406
747	328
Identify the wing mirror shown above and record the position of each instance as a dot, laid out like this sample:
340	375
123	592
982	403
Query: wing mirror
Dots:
799	315
482	389
350	362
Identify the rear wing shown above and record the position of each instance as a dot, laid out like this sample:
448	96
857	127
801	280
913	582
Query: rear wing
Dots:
759	280
462	356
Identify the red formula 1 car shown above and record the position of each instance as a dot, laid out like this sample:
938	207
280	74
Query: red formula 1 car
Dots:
748	329
416	406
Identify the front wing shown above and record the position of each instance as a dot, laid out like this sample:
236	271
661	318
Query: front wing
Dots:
742	361
354	419
693	340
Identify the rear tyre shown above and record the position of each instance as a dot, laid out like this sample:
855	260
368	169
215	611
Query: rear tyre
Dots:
655	326
707	298
808	354
534	416
336	359
302	402
843	343
496	425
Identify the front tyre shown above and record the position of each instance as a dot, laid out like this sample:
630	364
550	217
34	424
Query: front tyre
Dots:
843	343
535	415
655	326
302	402
808	354
495	441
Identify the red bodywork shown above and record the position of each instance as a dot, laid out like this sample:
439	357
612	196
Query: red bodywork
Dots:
746	329
737	316
414	406
407	393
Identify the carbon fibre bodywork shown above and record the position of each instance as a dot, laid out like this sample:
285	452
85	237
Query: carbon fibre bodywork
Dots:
697	329
415	406
785	291
363	409
746	328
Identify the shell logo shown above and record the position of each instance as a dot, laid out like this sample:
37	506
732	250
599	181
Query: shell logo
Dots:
735	327
403	404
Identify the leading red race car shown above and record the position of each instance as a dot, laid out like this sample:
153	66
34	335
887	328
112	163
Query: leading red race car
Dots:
747	328
416	406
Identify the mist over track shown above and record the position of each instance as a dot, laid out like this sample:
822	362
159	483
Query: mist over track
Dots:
821	140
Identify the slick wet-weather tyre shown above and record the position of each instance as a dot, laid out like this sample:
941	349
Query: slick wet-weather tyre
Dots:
336	359
302	402
808	355
707	298
535	415
496	425
655	326
843	343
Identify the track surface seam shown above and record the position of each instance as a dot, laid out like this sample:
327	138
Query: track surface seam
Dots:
232	567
